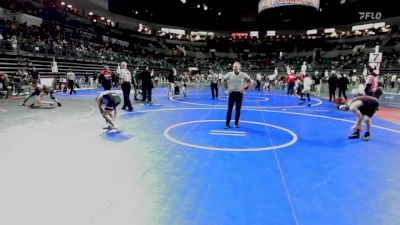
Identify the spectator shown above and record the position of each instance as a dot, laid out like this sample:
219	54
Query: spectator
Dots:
342	84
332	83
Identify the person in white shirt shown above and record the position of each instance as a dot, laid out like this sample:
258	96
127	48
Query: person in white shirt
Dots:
303	69
354	79
365	72
307	83
267	84
398	85
236	83
326	75
125	79
185	81
71	81
393	80
214	85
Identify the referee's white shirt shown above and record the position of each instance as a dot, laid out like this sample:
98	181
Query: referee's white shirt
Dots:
70	76
125	75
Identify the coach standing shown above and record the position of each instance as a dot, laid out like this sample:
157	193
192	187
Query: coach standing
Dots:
126	80
236	83
147	84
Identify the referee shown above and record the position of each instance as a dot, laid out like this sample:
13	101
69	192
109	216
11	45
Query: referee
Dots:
236	83
71	81
214	85
126	80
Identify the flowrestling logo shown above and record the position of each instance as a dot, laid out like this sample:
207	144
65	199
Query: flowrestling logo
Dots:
370	15
266	4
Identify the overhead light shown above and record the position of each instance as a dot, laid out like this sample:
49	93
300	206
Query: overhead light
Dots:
137	12
62	3
69	6
219	13
205	7
94	20
198	6
102	18
183	1
90	13
108	20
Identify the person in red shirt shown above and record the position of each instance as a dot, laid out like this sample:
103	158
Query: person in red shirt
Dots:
105	78
291	80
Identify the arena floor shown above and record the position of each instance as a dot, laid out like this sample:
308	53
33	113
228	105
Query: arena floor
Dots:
173	163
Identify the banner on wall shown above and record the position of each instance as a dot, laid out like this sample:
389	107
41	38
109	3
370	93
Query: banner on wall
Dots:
267	4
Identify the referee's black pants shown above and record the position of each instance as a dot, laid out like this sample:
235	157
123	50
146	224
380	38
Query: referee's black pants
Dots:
126	90
235	98
214	90
71	87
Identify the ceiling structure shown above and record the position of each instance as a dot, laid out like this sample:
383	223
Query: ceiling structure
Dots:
243	14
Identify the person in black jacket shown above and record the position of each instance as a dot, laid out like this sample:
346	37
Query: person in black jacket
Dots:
147	84
342	85
332	82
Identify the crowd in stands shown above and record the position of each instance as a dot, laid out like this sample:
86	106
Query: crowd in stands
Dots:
61	37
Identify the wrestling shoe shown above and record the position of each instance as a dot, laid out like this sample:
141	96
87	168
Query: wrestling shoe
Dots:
366	136
109	127
355	135
59	104
236	125
227	127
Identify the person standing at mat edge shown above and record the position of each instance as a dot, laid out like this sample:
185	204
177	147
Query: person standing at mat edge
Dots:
126	80
214	85
147	84
236	83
